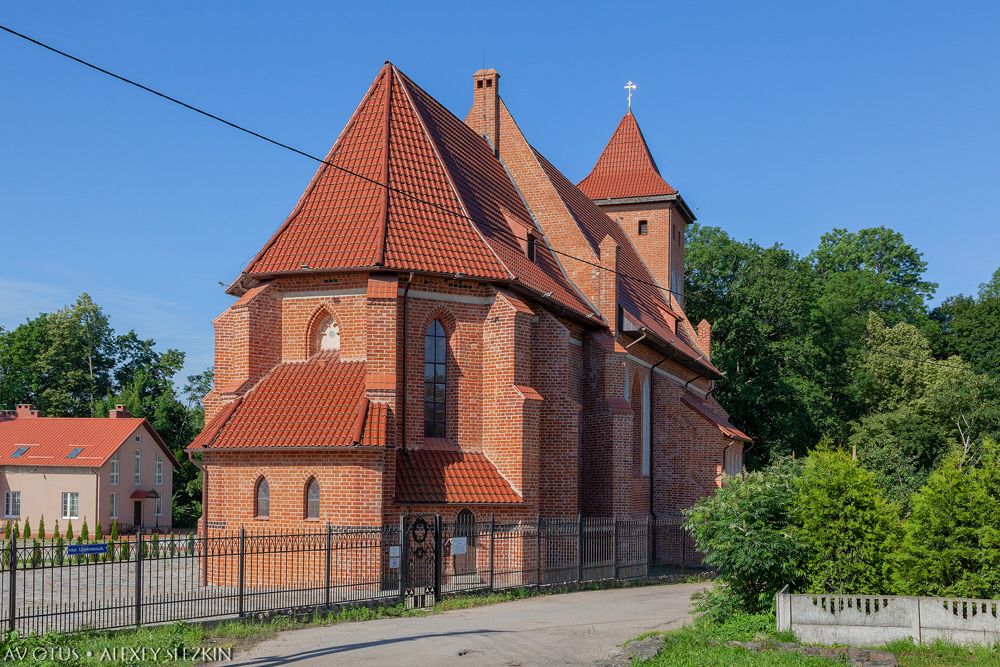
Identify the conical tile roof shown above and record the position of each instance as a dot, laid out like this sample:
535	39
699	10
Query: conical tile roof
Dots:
626	167
450	207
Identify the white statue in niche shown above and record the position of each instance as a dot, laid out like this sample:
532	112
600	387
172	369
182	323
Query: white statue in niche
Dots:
331	338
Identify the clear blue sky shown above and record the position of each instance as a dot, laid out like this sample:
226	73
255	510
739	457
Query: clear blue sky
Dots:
777	121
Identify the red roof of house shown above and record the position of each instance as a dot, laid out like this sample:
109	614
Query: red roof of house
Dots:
626	167
50	440
433	476
326	397
441	174
703	408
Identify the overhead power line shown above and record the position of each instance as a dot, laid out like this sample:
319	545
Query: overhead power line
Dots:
376	182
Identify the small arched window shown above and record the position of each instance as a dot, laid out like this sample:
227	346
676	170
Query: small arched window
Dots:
262	498
312	499
435	384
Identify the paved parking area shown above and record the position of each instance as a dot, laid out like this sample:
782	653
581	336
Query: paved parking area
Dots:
569	629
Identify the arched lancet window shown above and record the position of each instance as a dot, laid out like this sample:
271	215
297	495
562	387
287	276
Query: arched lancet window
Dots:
646	426
435	354
262	498
329	340
312	499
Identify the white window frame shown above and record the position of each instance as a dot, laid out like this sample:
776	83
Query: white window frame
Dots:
12	504
647	435
158	506
158	470
138	467
733	462
67	504
138	438
114	472
113	508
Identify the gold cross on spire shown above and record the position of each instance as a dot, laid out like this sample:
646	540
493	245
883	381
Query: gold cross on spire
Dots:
630	87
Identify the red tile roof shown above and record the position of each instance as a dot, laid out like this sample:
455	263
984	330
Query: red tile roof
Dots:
703	408
626	168
325	395
432	476
401	135
637	294
51	439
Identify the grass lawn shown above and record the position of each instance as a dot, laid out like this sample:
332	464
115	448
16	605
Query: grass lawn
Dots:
702	644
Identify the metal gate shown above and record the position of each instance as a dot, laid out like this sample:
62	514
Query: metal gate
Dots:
421	570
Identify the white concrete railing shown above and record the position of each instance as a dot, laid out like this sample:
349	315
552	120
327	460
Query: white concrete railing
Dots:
873	620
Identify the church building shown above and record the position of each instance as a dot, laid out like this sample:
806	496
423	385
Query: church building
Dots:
446	324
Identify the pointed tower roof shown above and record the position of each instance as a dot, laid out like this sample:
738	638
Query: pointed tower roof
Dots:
449	208
626	167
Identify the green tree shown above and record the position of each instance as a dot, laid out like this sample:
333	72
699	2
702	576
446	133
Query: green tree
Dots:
41	527
69	531
847	526
27	528
970	328
114	530
943	552
745	531
84	531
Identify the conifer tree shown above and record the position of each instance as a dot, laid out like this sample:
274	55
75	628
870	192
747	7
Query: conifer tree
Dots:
84	531
69	531
41	528
114	530
27	528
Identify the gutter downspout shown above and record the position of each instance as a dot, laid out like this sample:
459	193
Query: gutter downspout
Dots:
402	397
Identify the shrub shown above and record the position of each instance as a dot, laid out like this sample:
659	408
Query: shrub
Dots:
6	530
950	546
16	530
69	532
60	550
746	534
114	530
84	531
846	524
41	528
36	553
27	529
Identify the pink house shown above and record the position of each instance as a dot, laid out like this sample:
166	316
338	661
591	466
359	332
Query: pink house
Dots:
73	469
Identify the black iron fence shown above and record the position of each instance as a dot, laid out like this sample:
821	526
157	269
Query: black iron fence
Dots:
142	580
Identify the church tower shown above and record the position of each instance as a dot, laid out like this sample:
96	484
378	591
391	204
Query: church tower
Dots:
628	187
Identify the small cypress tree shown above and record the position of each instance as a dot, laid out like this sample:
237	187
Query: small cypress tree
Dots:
60	554
69	531
56	532
27	529
17	530
114	530
6	530
156	546
849	528
41	528
84	531
36	553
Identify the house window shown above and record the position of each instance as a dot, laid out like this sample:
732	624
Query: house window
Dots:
113	472
158	470
75	452
138	438
643	228
646	426
113	506
70	505
12	504
138	467
19	452
733	462
312	499
157	506
262	498
435	354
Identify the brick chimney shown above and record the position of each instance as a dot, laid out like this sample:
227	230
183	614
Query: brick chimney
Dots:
484	117
119	413
705	338
25	411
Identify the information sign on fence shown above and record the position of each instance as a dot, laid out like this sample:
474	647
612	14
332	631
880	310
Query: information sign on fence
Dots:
87	549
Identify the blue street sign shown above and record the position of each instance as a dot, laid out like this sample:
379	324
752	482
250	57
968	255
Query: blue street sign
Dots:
87	549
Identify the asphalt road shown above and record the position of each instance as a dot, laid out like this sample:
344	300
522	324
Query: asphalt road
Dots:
569	629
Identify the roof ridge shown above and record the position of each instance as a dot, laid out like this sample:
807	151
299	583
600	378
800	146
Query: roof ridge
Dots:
320	171
448	175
